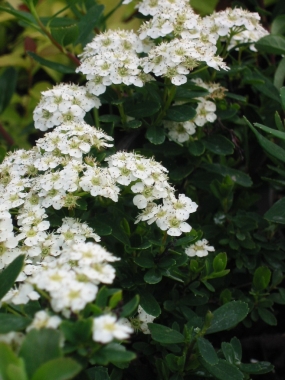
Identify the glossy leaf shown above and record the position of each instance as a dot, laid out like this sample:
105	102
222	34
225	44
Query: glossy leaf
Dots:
9	275
218	144
223	370
52	65
228	316
130	307
237	176
276	213
155	134
87	23
180	113
149	303
164	334
207	351
271	44
261	278
39	347
8	81
57	369
10	322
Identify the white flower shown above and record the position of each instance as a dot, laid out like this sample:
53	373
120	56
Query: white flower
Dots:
200	249
144	319
44	320
106	328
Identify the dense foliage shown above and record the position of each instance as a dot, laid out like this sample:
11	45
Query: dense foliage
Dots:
141	207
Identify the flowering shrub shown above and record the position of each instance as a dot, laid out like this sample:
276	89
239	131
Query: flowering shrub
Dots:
103	274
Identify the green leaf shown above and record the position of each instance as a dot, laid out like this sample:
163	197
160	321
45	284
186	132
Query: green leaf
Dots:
78	331
228	316
271	44
130	307
143	109
64	32
164	334
180	113
134	124
155	134
8	82
20	15
57	369
145	260
256	368
261	278
282	94
149	303
101	228
278	25
276	213
10	322
87	23
218	144
267	316
207	351
152	276
237	176
98	373
279	75
114	352
180	172
9	275
39	347
278	122
223	370
52	65
196	148
8	359
273	132
228	352
115	299
109	118
236	345
220	262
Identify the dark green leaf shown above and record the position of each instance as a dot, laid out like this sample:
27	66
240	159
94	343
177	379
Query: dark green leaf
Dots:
76	332
223	370
164	334
228	316
155	134
134	124
115	353
228	352
279	75
282	94
109	118
9	275
101	228
87	23
65	34
271	44
149	303
276	213
98	373
152	276
180	172
207	351
267	316
218	144
181	113
273	132
143	109
145	260
39	347
236	345
20	15
10	322
52	65
130	307
256	368
261	278
237	176
196	148
278	25
8	82
57	369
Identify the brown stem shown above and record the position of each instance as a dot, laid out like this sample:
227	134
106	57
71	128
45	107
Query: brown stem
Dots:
6	136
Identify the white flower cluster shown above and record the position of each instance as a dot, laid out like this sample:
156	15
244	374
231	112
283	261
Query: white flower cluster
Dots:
176	17
112	57
200	249
240	25
205	112
152	184
63	104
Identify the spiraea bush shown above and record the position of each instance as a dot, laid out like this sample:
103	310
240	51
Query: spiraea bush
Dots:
141	236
